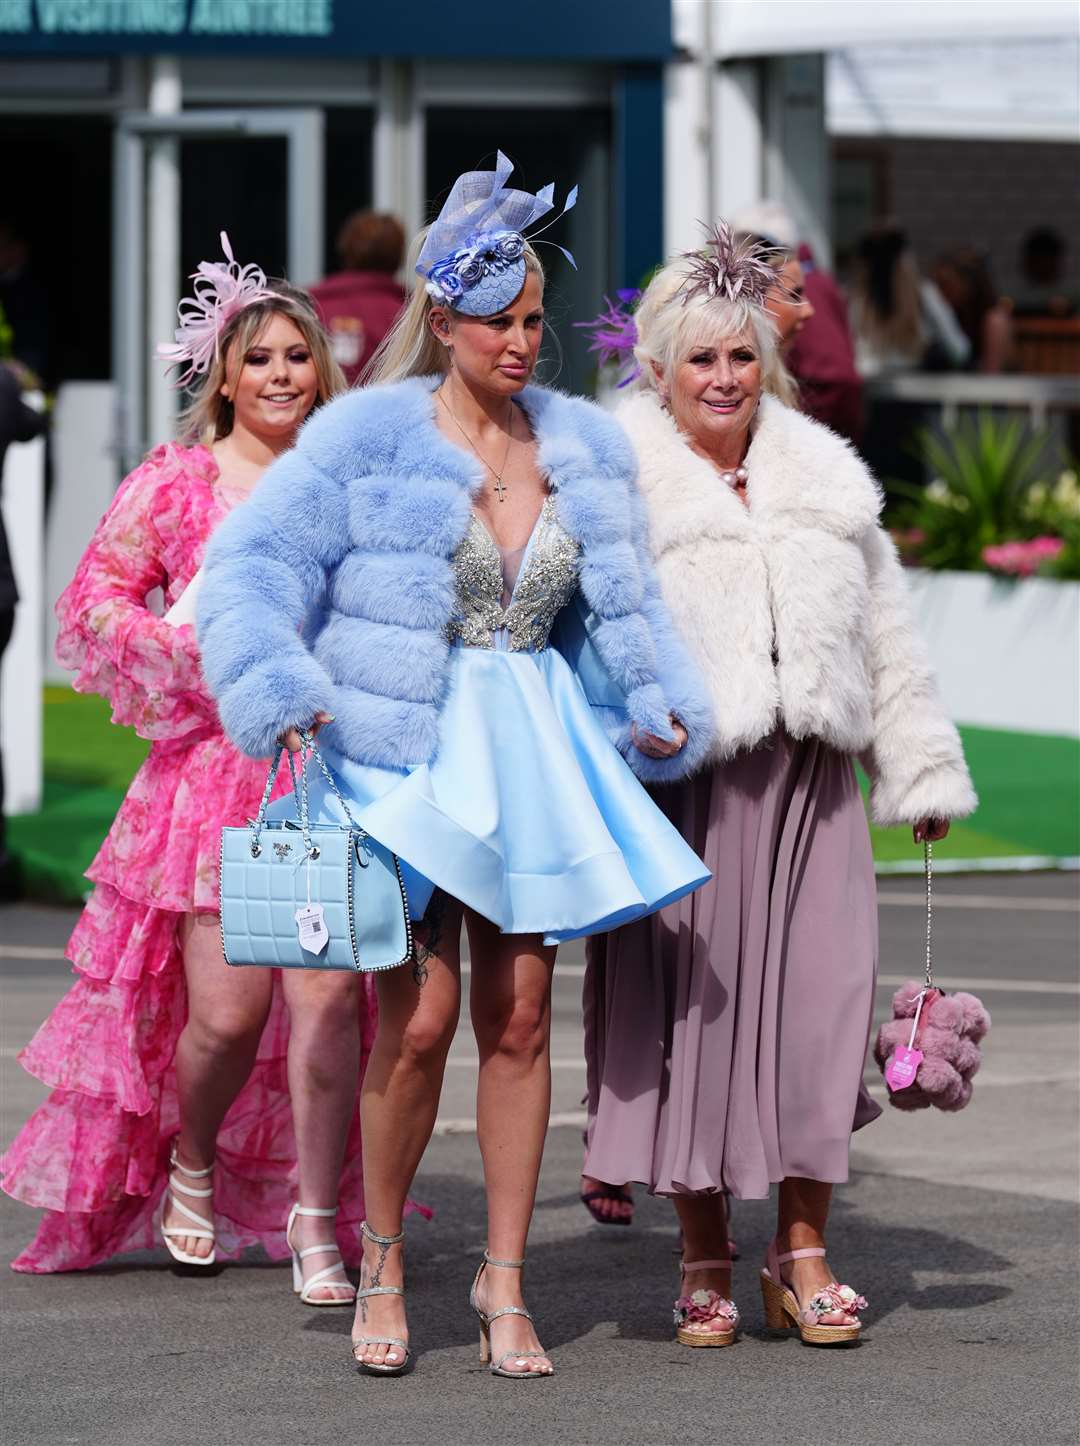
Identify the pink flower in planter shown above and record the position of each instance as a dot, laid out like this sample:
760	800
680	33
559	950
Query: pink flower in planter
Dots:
1021	559
908	542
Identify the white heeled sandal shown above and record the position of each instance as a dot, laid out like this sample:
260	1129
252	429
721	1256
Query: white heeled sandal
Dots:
198	1228
320	1280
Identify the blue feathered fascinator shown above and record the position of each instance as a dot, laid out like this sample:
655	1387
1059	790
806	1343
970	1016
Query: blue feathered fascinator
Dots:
474	254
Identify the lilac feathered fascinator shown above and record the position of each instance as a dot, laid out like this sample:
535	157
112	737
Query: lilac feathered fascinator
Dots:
727	267
222	288
735	268
474	255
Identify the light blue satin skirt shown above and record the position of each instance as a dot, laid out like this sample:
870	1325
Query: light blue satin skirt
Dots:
528	814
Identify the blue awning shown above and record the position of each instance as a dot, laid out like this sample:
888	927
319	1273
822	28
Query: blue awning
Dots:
587	30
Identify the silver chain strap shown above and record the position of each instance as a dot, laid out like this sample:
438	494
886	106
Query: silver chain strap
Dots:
300	793
260	817
928	857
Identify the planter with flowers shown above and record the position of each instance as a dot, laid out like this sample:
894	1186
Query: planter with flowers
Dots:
994	544
995	505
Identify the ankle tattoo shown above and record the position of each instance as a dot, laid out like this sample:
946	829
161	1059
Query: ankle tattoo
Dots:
376	1275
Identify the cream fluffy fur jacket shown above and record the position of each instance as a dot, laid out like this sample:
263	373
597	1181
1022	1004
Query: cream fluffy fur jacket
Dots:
795	607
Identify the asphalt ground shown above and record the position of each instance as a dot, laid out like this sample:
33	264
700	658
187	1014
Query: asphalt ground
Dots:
962	1231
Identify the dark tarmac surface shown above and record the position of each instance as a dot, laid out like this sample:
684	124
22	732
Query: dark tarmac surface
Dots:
961	1230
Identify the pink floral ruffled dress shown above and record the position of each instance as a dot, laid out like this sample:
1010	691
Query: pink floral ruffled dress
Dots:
94	1155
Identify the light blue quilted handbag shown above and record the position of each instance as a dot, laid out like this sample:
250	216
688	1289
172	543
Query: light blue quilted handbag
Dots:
298	895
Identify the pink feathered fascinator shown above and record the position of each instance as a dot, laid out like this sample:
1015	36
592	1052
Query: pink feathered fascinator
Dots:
929	1050
222	288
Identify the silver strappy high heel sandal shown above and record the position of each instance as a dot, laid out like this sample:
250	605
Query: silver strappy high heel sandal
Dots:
392	1368
497	1367
198	1228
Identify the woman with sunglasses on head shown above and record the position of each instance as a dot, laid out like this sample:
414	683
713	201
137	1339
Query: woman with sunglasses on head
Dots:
453	519
190	1101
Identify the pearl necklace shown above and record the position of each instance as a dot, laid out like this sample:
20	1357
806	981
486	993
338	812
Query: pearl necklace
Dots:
736	478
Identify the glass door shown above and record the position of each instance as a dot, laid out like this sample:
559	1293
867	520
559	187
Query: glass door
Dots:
255	173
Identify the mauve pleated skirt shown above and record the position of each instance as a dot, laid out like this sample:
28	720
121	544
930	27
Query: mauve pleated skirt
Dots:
726	1035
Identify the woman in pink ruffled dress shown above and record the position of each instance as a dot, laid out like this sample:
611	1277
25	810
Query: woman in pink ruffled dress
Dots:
189	1101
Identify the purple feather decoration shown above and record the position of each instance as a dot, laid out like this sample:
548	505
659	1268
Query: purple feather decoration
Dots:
614	333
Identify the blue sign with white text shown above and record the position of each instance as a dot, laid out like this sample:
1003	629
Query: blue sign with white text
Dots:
610	30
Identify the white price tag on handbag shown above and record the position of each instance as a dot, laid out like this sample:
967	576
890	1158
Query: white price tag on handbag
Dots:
311	928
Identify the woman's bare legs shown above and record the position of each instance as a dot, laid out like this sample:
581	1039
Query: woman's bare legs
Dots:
802	1216
324	1062
418	1013
705	1237
227	1009
510	1004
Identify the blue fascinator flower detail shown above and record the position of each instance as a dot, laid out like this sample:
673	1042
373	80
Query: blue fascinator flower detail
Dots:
474	255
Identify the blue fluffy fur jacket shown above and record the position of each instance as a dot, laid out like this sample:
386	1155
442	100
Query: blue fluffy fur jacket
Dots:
332	588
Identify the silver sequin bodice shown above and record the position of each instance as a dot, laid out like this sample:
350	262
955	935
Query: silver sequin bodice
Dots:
546	583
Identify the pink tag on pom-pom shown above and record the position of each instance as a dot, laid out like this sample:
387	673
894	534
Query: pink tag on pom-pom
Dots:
903	1067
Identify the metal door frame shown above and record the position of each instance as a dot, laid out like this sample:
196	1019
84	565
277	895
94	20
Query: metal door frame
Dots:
302	130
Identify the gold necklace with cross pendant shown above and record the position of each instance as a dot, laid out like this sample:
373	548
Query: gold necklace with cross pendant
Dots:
500	487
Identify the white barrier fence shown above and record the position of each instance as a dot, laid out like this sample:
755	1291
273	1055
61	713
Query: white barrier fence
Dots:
20	693
1007	653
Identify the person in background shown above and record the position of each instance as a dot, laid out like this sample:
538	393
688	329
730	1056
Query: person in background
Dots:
359	304
820	353
1042	264
18	423
24	309
963	278
901	320
822	356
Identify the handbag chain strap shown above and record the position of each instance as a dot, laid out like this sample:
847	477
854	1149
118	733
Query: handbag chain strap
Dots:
300	793
928	857
260	818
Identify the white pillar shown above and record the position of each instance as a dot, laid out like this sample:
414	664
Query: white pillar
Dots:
738	158
741	130
399	146
21	697
688	124
797	147
307	177
163	245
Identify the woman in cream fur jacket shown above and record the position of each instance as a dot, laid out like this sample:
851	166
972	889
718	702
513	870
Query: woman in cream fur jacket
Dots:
726	1035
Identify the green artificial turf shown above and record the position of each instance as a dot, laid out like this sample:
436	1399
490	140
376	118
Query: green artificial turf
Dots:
1029	799
88	765
1029	802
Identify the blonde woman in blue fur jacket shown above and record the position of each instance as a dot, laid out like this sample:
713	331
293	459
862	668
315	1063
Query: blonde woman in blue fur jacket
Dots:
450	576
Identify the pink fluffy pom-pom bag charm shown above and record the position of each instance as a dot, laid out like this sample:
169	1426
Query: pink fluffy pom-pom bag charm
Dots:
929	1050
